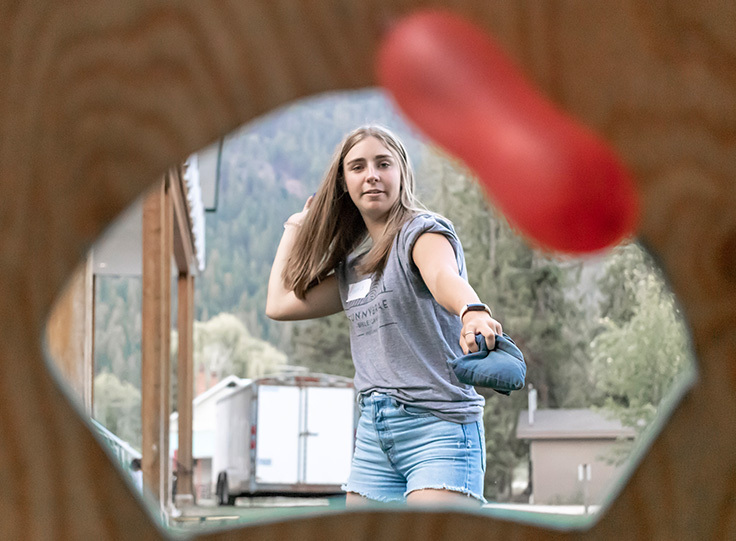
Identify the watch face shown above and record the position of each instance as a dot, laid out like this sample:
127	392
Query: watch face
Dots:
476	307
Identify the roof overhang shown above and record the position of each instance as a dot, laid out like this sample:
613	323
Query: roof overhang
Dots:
119	251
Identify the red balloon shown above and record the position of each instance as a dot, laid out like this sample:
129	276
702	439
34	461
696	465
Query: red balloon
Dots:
553	178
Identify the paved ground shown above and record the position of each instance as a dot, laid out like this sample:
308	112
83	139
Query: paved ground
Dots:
245	510
208	514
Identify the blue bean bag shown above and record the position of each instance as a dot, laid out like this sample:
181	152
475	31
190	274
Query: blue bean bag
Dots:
502	369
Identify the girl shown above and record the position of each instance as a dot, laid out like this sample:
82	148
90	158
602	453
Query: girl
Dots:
362	245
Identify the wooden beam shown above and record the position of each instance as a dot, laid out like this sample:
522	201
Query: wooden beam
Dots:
185	385
150	338
184	249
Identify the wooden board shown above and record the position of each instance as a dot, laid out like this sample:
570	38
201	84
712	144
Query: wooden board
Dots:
98	99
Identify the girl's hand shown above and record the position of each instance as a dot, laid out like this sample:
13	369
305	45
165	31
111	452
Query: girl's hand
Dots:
298	217
478	323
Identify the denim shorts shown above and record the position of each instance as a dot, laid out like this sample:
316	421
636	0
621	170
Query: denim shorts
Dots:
401	448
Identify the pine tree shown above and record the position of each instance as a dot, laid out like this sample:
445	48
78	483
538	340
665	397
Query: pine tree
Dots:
323	345
642	349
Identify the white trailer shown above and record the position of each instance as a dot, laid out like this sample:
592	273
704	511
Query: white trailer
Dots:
284	435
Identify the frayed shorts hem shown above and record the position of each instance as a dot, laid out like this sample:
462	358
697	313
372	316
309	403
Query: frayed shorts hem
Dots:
388	499
460	490
372	497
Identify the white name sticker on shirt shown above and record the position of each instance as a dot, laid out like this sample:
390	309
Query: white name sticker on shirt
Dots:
358	290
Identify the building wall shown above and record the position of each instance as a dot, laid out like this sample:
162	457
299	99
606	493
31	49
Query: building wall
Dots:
555	470
69	335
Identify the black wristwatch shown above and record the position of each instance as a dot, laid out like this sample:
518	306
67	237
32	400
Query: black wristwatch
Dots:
475	307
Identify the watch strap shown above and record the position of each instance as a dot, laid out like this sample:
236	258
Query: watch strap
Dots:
475	307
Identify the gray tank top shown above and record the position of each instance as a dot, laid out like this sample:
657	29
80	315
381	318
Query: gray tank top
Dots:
400	337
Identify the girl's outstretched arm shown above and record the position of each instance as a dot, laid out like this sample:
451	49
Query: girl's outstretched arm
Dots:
434	257
281	303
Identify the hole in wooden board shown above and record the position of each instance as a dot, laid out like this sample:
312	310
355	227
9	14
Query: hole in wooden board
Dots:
603	338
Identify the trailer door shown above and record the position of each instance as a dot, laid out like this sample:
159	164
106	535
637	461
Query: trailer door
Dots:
328	438
277	434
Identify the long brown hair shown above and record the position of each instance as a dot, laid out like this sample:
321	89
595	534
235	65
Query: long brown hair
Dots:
333	227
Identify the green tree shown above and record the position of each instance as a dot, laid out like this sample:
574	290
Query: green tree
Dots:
504	452
642	349
624	272
223	346
118	327
323	346
117	406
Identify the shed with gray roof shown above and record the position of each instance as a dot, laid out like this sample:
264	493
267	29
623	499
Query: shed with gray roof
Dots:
565	443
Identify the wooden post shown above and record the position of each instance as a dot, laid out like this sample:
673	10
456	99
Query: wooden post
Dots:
184	253
156	307
185	384
168	243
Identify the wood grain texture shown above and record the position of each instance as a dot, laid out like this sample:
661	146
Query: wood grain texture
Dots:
155	353
98	99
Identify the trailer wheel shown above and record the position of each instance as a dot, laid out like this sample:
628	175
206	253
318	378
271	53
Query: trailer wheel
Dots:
219	489
226	491
222	490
